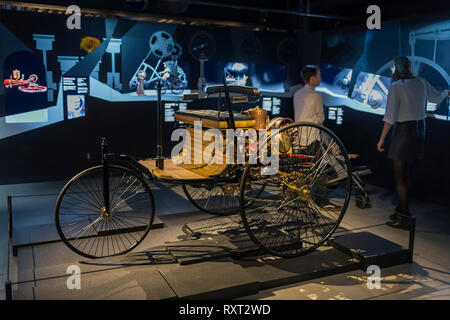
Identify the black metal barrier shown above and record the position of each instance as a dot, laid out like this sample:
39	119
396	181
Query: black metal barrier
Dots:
412	232
8	284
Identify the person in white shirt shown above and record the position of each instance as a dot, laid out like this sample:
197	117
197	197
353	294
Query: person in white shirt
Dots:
308	107
405	111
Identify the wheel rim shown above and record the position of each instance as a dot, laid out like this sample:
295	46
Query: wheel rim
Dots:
294	216
219	199
214	198
86	227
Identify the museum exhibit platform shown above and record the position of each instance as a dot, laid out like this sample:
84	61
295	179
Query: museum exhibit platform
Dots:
41	228
192	255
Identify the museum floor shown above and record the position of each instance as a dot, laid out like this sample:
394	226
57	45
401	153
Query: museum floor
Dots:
36	275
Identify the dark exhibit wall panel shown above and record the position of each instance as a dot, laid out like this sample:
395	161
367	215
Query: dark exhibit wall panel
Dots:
63	149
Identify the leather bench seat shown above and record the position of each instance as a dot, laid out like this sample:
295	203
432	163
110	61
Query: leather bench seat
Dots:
214	119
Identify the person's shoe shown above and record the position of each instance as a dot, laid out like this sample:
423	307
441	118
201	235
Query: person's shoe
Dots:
397	213
399	224
393	216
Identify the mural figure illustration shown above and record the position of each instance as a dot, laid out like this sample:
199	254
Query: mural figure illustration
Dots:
141	79
75	106
173	78
163	47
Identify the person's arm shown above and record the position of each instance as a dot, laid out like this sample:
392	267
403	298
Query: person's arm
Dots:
434	95
297	107
386	128
318	107
390	115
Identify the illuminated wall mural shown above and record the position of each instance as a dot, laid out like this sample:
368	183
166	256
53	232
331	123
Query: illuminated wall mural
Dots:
357	69
51	74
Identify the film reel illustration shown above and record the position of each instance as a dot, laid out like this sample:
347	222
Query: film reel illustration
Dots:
167	51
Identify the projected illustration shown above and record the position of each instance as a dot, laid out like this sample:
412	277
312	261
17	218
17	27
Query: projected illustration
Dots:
27	86
266	77
75	90
75	106
24	83
336	79
172	77
202	47
369	93
141	79
235	73
371	90
428	67
44	84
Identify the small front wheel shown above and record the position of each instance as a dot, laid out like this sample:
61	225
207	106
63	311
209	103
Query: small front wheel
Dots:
83	223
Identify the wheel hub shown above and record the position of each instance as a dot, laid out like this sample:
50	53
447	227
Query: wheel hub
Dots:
305	193
292	182
231	189
106	215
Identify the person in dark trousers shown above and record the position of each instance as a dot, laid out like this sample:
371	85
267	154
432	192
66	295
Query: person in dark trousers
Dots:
405	111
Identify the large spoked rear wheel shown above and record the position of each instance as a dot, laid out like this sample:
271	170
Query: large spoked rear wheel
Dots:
305	199
87	229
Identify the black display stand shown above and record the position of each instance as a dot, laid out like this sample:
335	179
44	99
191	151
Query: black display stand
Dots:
371	249
214	265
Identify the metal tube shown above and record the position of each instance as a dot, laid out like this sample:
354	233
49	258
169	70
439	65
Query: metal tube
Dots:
231	123
10	222
105	176
412	232
8	290
8	286
160	123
